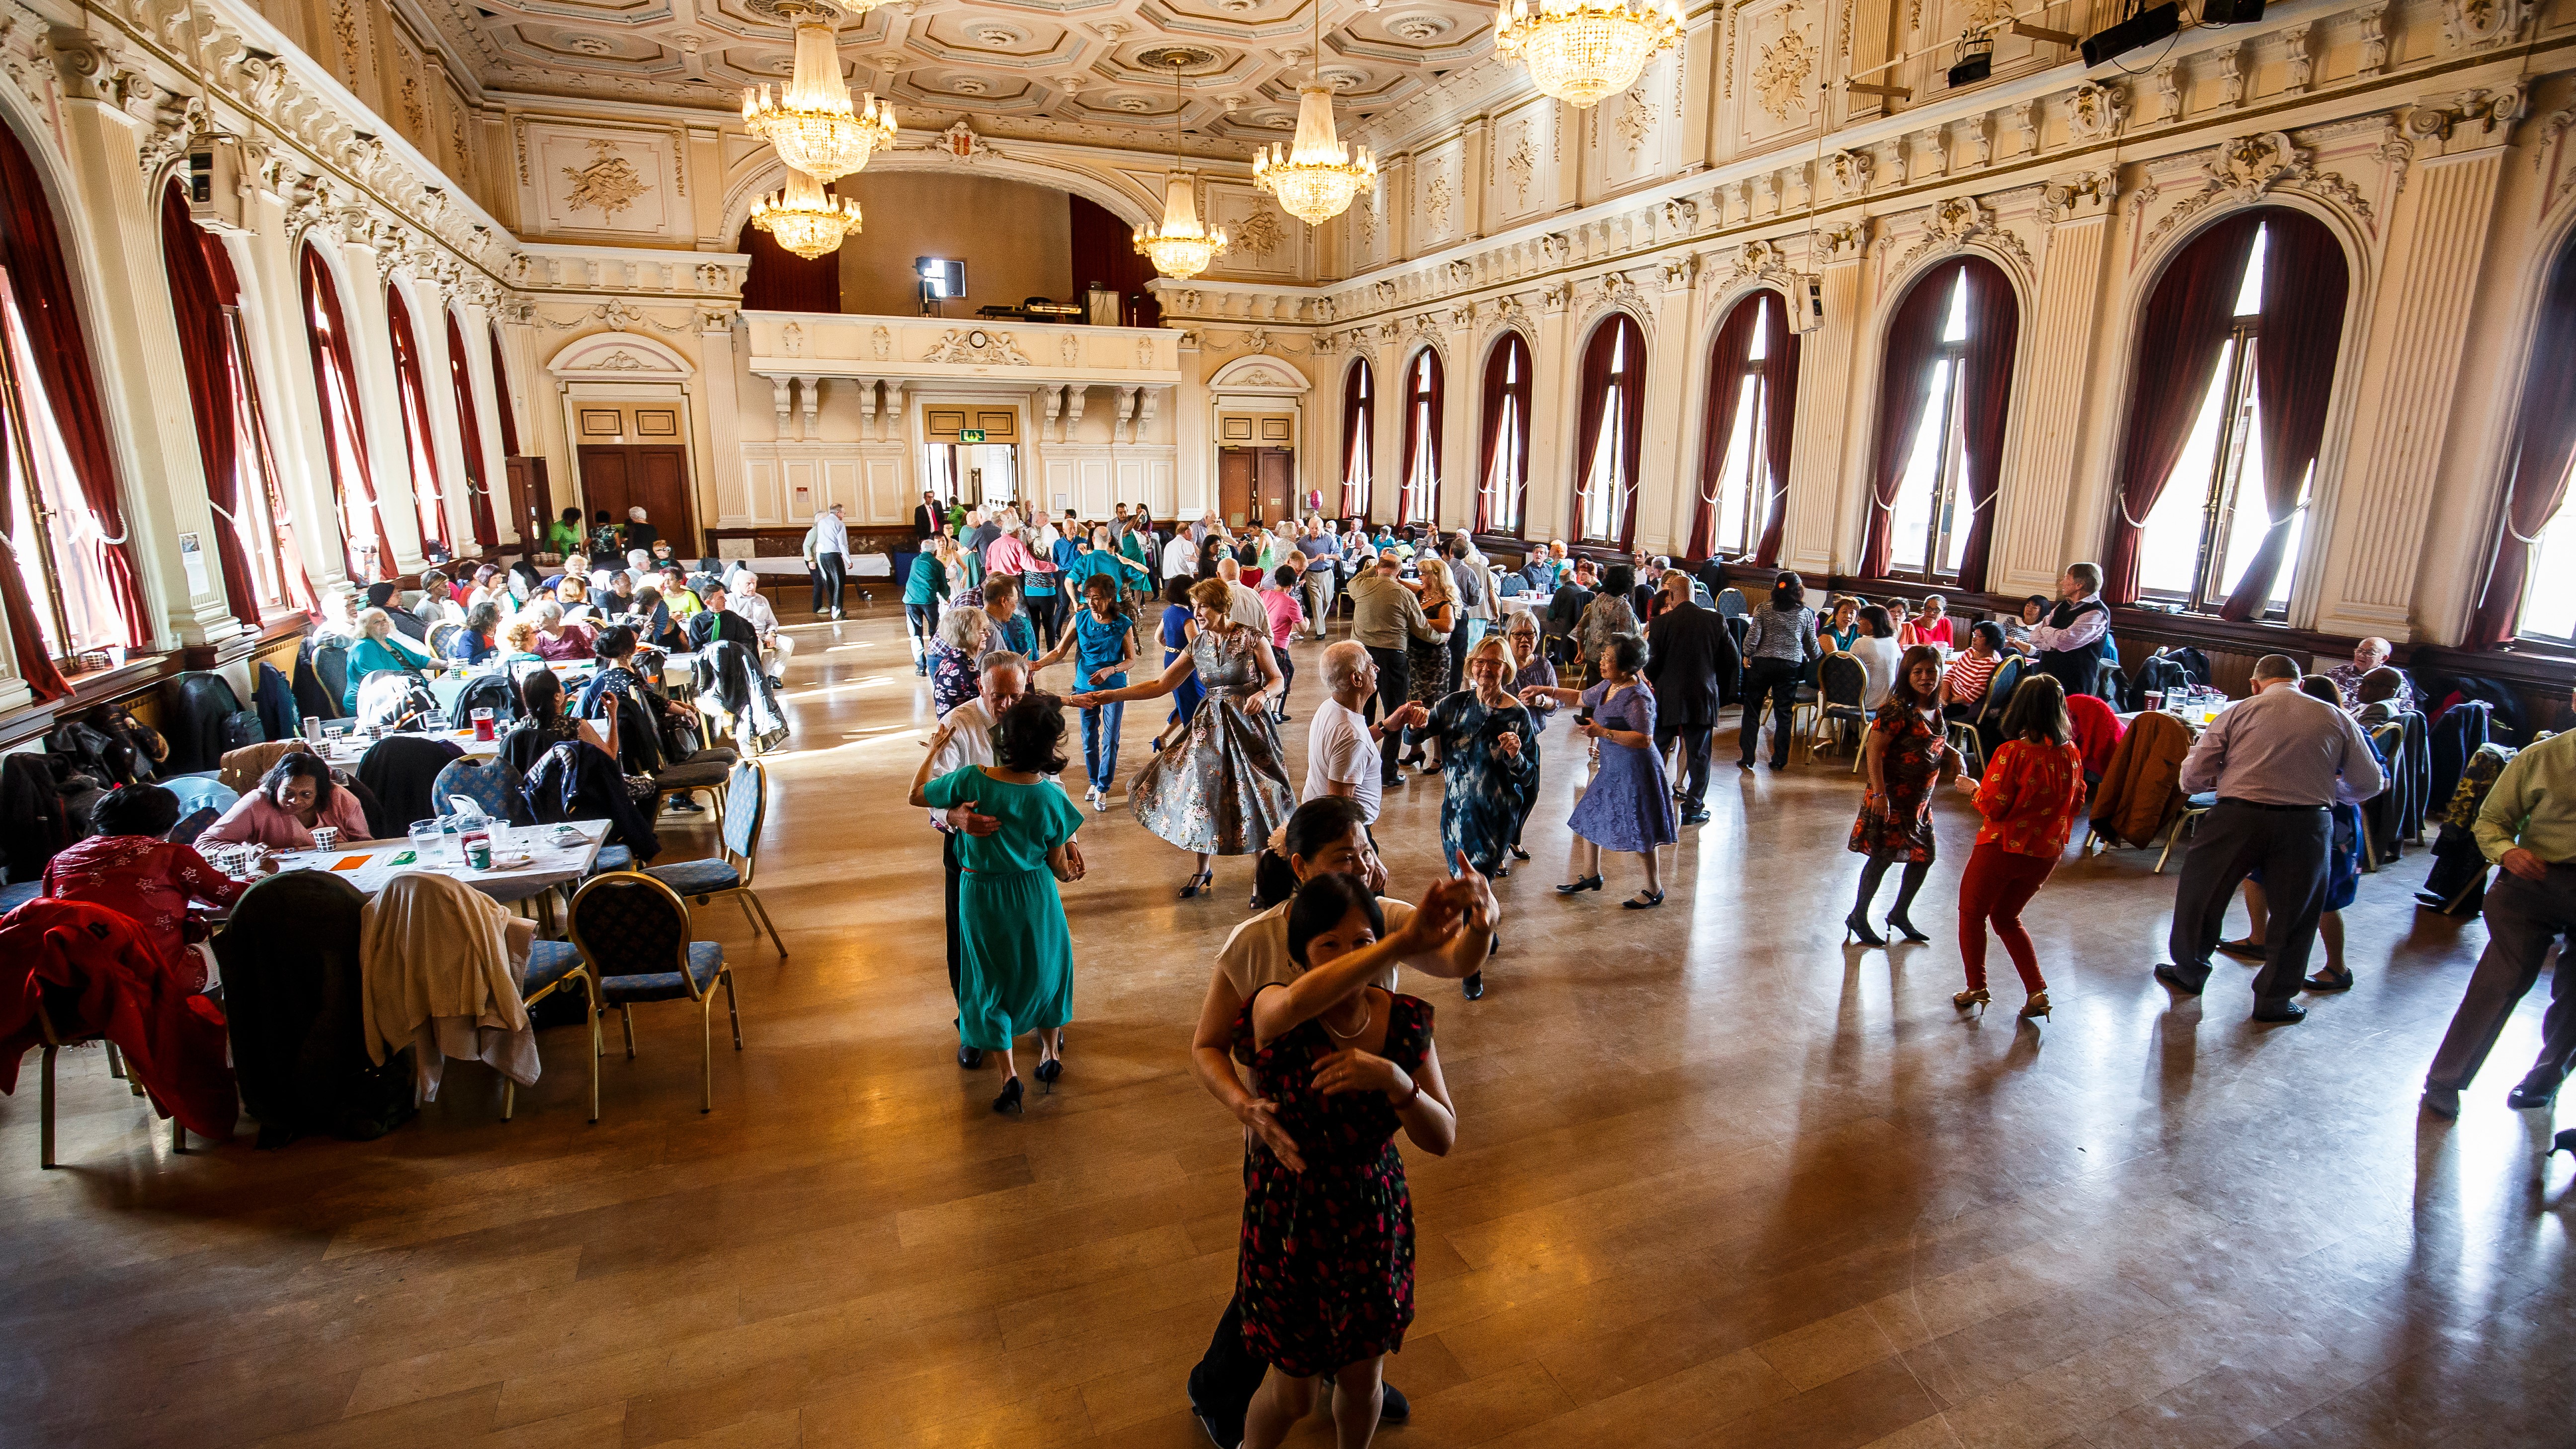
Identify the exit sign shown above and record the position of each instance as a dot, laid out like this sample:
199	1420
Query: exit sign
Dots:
970	435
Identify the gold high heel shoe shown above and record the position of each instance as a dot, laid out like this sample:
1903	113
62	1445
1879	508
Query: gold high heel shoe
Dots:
1966	999
2036	1006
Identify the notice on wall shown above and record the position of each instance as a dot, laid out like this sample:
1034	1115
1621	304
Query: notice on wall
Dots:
192	557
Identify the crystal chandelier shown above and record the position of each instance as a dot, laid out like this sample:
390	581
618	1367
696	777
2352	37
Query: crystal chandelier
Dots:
1315	177
1182	248
1581	50
812	123
805	220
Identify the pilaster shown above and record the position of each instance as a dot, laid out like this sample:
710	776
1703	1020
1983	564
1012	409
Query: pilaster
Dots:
716	394
275	330
474	323
1818	459
1670	364
2038	530
428	302
371	353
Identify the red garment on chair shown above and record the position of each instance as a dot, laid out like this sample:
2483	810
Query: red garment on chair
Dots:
2097	732
108	979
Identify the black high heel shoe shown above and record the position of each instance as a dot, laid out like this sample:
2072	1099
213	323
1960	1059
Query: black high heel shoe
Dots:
1856	927
1204	881
1518	853
1903	927
1644	901
1009	1101
1048	1071
1587	883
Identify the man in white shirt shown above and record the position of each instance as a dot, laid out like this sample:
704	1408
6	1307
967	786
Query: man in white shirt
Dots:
1181	556
831	553
742	595
1324	836
1246	608
1341	745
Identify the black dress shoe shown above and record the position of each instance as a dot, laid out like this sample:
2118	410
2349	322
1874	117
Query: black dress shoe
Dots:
2532	1092
2280	1013
1394	1408
970	1057
1694	817
1223	1433
1473	988
1519	854
2174	982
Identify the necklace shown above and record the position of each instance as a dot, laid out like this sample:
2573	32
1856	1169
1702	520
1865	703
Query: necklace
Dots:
1354	1035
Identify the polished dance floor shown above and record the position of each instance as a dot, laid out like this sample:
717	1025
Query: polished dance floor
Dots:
1718	1180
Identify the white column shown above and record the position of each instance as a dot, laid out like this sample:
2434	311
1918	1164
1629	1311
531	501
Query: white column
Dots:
1462	384
718	392
428	303
266	263
1667	481
2047	514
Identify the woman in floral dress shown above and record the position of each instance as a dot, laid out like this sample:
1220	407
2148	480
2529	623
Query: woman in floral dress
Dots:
1907	753
1325	1273
1489	762
1221	786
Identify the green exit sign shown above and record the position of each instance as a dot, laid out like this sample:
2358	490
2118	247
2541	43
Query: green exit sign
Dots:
970	435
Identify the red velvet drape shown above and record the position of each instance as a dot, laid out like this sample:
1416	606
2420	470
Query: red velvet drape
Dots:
32	250
331	360
501	399
1489	425
778	280
205	351
469	430
1779	422
2305	285
2182	333
2544	451
1426	363
1594	405
1728	356
429	495
1986	368
1905	379
1356	423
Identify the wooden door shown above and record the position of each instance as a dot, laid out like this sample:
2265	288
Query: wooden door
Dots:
1276	469
532	506
1234	469
652	476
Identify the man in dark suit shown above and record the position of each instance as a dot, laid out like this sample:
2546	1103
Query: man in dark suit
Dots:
714	622
1689	650
926	517
1564	611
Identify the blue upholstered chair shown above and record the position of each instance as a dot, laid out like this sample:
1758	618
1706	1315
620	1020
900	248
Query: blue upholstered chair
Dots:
746	805
557	966
492	786
201	792
633	933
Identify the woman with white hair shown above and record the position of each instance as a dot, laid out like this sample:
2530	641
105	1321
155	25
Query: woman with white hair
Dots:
557	639
378	650
964	633
742	598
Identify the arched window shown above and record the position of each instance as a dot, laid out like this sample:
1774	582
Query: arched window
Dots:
1609	433
1939	446
2530	588
1419	500
1744	440
254	538
412	394
469	429
74	586
344	428
2235	365
1502	474
1359	420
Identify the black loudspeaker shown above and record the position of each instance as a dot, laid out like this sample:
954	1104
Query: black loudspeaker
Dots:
2230	12
1971	70
2144	28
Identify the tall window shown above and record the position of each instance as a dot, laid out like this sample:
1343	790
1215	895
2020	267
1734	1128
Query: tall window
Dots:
1939	444
1744	451
1502	479
1359	420
2530	586
51	530
1420	497
344	429
253	537
2235	361
1608	432
413	397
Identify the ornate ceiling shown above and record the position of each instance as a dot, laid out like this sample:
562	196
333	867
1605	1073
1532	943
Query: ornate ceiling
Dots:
1063	67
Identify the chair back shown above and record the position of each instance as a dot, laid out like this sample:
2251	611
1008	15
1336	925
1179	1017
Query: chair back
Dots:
1730	603
746	805
1999	689
201	792
439	634
2389	739
1842	680
331	662
629	924
489	691
492	785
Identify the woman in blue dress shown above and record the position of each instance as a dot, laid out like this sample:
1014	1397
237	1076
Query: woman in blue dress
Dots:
1488	764
1180	626
1629	804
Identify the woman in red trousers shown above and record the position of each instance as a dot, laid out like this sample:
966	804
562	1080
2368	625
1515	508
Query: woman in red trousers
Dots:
2030	795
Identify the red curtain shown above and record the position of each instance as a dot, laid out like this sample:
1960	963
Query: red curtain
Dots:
33	252
1905	378
1779	420
1994	321
1356	422
1499	386
205	349
2305	285
2544	451
1423	375
429	495
2183	331
1728	357
778	280
501	399
469	429
331	362
1606	343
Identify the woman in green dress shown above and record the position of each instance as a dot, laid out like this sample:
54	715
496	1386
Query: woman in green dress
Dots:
1016	955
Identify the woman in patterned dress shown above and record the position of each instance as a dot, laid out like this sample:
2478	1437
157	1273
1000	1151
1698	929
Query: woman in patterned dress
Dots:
1489	762
1325	1272
1221	786
1907	752
962	637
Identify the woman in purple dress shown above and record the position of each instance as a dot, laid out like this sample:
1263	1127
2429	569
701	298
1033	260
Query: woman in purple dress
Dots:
1629	804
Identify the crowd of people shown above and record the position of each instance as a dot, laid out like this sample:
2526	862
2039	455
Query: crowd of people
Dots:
1304	1036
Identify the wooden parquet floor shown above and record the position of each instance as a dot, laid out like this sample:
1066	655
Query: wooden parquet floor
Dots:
1719	1181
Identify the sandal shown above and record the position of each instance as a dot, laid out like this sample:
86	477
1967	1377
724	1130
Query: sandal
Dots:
2330	979
2249	949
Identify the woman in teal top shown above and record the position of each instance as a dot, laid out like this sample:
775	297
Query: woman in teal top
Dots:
925	593
1015	966
1103	639
378	650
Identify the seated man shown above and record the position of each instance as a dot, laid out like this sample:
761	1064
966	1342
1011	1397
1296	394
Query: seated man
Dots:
715	621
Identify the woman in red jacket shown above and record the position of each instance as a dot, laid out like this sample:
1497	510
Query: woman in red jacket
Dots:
2031	793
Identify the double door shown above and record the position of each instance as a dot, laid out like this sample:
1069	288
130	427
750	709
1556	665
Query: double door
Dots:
651	476
1256	485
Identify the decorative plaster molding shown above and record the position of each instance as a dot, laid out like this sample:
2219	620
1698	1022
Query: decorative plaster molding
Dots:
2244	168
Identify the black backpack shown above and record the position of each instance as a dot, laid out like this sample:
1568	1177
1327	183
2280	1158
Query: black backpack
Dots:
492	692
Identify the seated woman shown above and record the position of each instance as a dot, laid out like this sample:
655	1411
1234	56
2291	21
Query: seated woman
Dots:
472	644
129	868
557	639
378	649
293	797
1899	615
1932	625
2034	610
655	628
574	594
519	642
1963	685
1840	628
1878	653
618	677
